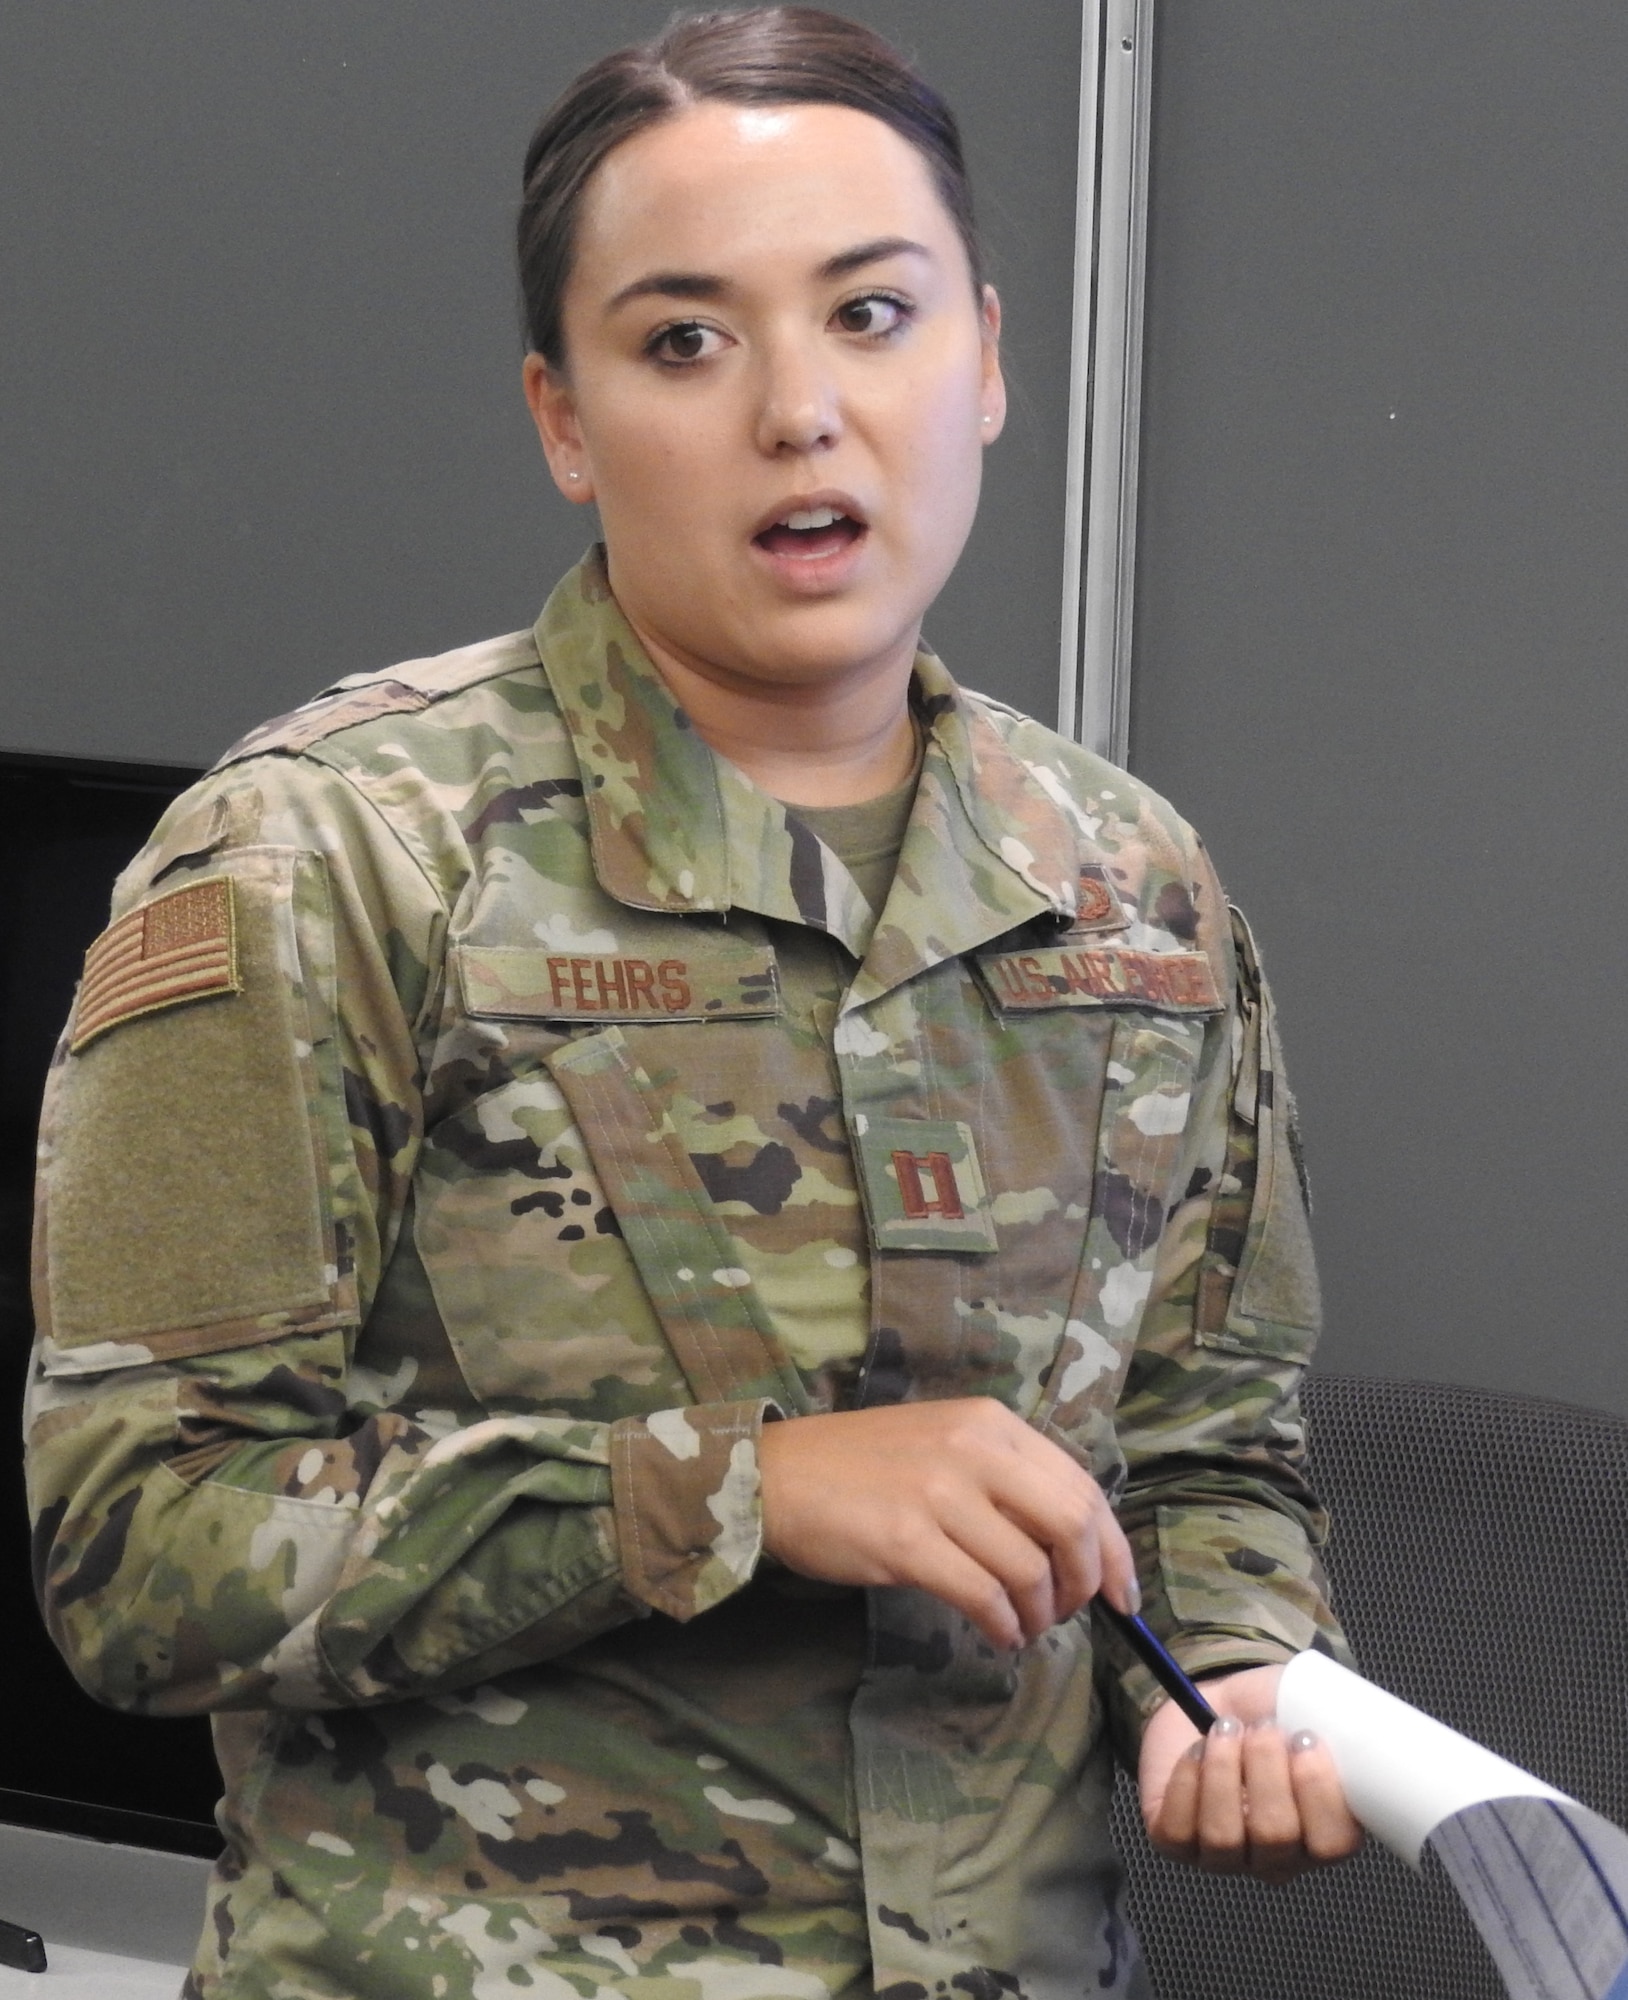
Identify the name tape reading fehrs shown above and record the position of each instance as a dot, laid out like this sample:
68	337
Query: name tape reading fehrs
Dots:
620	986
722	981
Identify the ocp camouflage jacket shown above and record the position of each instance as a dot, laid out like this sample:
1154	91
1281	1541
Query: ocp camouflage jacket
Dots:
474	1125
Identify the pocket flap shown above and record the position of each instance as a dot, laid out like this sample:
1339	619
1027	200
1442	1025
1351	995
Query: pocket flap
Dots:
1243	1568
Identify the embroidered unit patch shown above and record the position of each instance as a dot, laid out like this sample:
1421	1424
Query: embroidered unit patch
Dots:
1099	908
178	947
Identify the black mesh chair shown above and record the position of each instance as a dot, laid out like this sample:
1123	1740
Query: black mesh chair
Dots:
1479	1561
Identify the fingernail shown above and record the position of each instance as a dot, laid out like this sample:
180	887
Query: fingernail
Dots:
1261	1722
1134	1596
1227	1725
1194	1753
1303	1739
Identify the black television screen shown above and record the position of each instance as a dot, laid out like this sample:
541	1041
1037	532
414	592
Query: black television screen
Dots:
66	829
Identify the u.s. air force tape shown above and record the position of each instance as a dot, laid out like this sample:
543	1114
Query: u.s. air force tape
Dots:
1172	982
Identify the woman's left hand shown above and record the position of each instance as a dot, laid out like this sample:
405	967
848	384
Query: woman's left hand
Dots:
1244	1800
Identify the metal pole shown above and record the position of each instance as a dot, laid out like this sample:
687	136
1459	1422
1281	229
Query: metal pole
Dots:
1079	382
1105	394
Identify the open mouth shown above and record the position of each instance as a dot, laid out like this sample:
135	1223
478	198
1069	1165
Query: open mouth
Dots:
810	533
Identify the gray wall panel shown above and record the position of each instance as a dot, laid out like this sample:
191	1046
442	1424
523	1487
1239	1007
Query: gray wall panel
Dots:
1381	613
260	415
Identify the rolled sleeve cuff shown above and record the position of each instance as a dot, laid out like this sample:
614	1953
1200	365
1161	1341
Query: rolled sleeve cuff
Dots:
687	1500
1226	1587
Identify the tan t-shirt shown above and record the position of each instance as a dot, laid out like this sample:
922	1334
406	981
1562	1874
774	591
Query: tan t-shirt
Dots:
866	838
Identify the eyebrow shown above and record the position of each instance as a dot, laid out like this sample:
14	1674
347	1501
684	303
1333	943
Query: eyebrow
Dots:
702	285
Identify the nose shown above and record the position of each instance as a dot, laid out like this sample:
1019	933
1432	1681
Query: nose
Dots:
799	409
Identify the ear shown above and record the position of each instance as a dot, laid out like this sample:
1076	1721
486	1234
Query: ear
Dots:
992	394
553	411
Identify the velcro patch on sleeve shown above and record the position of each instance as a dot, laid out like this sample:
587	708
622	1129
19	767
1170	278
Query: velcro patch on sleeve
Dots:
179	947
186	1192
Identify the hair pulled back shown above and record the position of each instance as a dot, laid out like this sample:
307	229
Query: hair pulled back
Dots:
765	55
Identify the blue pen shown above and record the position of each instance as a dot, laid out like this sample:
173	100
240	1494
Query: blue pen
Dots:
1148	1649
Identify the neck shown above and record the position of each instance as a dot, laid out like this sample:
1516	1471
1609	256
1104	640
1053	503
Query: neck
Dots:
833	743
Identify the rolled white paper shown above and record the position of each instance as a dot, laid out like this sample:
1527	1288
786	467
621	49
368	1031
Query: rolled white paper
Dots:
1403	1771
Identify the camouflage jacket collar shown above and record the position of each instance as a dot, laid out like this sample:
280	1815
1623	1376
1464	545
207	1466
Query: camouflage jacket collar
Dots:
678	829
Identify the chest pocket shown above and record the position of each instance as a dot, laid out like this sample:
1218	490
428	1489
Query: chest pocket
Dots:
708	1307
1152	1010
575	1261
526	1260
1142	1143
1081	1117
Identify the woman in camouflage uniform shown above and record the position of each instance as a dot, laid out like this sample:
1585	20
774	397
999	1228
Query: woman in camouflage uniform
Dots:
635	1218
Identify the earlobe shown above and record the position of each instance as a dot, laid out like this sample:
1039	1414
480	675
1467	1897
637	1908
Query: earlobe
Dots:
992	396
548	397
994	402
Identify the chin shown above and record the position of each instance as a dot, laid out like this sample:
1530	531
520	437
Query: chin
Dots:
830	637
812	660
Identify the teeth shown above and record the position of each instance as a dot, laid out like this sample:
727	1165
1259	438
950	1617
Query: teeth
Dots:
811	517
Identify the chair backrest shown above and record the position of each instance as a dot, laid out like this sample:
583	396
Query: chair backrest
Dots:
1479	1562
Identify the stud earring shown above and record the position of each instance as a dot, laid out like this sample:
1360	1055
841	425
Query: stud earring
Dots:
577	475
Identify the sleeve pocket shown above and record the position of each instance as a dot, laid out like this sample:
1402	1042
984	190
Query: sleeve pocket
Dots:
1243	1569
1258	1289
183	1207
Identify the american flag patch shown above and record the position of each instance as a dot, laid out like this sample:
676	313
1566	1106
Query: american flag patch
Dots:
178	947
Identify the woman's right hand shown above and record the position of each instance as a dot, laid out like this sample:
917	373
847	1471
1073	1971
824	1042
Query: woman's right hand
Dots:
961	1498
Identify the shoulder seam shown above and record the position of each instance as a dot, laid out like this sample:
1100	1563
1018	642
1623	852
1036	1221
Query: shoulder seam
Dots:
412	686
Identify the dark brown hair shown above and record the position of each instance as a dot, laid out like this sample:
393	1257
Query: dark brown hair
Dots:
762	55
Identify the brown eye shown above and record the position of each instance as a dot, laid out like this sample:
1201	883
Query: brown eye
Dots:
685	341
876	312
